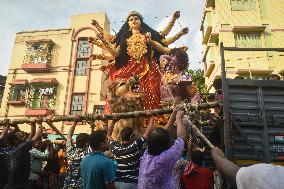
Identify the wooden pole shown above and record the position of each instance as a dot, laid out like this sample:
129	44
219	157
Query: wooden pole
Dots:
92	117
201	135
57	131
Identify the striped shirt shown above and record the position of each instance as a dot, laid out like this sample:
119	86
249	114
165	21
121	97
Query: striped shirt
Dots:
128	159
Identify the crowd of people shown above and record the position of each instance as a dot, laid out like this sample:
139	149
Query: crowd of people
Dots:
162	158
155	160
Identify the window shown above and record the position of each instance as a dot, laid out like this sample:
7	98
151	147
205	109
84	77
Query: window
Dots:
83	48
98	109
18	93
83	52
242	5
250	40
77	105
81	67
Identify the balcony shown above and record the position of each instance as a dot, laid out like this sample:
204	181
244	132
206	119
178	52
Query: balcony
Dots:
18	92
210	67
214	38
13	102
42	97
206	27
38	56
44	81
38	112
36	67
210	3
253	71
248	29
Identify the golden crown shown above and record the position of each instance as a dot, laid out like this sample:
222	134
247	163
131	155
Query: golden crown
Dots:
134	13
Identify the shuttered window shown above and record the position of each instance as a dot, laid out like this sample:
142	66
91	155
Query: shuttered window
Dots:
250	40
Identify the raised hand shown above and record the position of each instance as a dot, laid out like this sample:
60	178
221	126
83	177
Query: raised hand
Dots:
176	15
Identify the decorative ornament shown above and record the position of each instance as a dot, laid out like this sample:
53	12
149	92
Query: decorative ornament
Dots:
46	91
136	47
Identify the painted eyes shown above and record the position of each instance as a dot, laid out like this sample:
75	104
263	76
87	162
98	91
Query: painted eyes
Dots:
133	18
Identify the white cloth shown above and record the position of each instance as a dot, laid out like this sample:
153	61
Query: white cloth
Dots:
261	176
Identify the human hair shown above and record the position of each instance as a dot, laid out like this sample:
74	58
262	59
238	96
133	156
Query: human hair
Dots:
197	157
124	33
271	76
96	138
181	58
239	77
217	83
126	133
158	141
11	138
81	140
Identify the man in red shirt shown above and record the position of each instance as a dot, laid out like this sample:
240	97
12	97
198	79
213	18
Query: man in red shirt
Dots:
194	175
191	174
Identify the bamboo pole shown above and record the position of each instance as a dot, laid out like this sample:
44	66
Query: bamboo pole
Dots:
201	135
57	131
92	117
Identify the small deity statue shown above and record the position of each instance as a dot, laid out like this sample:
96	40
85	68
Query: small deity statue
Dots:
177	85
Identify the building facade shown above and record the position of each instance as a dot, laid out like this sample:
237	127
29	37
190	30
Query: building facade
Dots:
243	23
50	73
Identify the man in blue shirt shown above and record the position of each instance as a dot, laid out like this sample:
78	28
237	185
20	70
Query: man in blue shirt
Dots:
97	170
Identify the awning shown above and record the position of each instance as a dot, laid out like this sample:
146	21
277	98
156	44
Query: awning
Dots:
19	82
248	28
56	137
51	81
254	71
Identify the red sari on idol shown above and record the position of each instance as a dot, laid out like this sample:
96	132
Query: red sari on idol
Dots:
149	77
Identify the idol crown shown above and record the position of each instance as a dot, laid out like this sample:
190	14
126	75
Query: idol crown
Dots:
134	13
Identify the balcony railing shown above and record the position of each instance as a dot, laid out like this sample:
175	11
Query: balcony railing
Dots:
39	106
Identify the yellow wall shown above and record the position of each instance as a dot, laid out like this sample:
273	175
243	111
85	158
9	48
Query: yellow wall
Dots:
267	13
63	54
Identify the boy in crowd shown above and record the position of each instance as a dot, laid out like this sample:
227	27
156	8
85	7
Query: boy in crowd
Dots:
97	170
75	154
37	157
128	154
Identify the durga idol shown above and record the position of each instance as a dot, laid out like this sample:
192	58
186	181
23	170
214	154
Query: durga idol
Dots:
136	50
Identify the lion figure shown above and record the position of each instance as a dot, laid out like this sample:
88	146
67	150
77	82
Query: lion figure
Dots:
124	96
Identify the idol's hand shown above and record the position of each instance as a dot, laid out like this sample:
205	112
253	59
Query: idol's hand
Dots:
176	15
184	30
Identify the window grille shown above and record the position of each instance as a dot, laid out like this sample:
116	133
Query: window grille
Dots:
77	105
18	93
83	48
81	68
